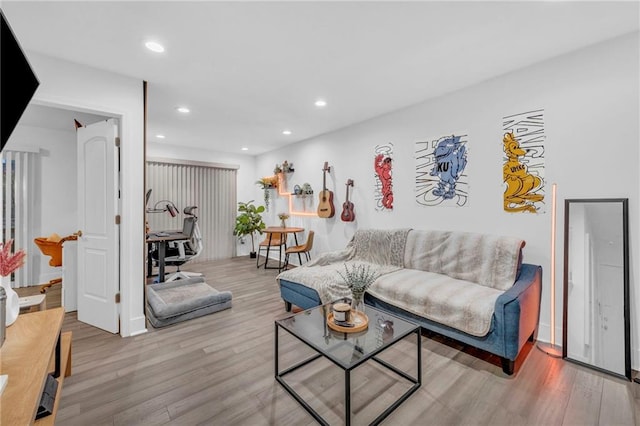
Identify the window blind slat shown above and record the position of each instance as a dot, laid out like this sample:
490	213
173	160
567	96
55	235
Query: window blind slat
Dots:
212	189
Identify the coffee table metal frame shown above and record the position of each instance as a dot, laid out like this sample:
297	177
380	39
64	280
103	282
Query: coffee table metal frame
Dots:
417	381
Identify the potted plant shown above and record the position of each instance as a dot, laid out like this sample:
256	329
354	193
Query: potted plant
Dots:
267	183
283	219
248	222
358	279
9	263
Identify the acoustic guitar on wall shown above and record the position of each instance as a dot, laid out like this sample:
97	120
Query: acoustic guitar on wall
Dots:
325	206
348	215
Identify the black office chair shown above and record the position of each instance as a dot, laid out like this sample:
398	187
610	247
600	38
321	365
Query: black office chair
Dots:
182	251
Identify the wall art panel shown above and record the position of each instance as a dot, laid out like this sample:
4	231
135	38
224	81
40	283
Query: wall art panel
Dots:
523	162
383	173
441	179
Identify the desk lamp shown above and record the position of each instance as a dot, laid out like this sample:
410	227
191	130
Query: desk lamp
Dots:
168	207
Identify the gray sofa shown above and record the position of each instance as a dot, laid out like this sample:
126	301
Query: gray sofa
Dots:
471	287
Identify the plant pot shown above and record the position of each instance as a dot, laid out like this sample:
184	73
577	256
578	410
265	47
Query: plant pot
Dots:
252	255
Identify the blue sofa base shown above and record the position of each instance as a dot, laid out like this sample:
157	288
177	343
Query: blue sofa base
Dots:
515	318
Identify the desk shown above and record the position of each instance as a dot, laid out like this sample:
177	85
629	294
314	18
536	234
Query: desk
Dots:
283	237
162	241
25	357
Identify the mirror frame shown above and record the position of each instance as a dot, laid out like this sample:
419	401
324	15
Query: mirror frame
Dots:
624	202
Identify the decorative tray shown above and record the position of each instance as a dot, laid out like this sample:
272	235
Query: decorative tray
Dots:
362	323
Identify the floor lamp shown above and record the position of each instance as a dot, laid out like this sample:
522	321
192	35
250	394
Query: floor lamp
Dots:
551	348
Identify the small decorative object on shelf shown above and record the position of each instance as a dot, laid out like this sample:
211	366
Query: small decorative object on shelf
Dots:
285	167
358	279
306	189
283	219
9	263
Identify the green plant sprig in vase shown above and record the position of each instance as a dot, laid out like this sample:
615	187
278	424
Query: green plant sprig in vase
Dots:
358	279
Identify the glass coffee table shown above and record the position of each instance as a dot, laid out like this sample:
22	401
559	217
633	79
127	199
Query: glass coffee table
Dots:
348	350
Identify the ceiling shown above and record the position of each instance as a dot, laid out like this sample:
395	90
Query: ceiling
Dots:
249	70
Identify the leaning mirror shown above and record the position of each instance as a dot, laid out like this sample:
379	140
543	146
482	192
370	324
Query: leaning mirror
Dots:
596	329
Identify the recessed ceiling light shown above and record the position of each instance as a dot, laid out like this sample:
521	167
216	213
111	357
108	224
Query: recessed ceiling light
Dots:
286	132
321	103
244	148
160	136
154	46
183	110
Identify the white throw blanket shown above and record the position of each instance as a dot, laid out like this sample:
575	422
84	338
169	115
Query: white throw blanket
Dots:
485	259
382	250
463	305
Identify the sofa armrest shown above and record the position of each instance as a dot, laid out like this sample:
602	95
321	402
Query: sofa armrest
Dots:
518	309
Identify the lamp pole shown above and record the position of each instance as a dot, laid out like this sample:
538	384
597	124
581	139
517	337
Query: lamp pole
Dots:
551	348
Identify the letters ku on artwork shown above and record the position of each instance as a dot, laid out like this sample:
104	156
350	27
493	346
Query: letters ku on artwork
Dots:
523	162
440	171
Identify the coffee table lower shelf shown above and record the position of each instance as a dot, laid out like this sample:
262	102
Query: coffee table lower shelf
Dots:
417	381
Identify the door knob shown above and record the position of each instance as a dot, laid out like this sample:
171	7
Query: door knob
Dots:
79	233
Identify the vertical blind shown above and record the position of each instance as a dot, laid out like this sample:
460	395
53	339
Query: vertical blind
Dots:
16	197
212	188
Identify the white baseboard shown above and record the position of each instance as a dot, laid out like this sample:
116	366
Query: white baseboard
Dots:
45	278
544	334
137	325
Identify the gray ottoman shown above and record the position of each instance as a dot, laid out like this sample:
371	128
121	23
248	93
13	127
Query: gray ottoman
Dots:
181	300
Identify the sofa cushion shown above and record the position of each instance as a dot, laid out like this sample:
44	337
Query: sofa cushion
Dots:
489	260
459	304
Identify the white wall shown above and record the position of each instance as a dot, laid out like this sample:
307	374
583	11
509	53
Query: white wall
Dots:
73	86
590	98
56	174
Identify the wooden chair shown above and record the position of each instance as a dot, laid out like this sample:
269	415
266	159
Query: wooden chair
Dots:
277	240
301	249
52	246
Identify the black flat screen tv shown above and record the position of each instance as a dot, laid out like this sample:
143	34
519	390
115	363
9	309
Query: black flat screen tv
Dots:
18	82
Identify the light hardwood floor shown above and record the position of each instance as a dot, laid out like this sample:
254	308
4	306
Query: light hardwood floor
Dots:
218	370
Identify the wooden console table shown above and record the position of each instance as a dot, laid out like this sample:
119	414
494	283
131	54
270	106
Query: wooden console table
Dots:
27	357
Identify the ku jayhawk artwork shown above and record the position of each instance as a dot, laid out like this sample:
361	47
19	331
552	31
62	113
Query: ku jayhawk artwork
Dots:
523	162
440	166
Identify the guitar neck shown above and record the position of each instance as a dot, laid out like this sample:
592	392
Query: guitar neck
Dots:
349	183
325	169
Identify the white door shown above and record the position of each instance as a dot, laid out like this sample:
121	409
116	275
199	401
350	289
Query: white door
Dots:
98	266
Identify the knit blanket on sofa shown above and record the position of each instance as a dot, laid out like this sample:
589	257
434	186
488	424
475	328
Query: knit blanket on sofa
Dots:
485	259
381	250
453	278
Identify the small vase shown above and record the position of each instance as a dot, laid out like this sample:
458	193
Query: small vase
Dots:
357	307
283	223
13	301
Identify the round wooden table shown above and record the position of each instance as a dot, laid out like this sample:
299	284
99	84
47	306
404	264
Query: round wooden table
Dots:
283	231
